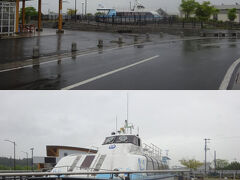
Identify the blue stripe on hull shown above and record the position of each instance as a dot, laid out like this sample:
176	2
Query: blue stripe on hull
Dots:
137	177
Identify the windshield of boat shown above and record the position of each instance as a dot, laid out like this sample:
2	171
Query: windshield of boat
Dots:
122	139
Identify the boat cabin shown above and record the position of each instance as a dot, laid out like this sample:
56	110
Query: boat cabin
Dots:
119	139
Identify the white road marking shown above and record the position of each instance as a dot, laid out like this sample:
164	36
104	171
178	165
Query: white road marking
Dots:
64	58
215	44
227	78
51	61
95	52
108	73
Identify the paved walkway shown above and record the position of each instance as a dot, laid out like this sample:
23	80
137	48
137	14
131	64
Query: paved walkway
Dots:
50	43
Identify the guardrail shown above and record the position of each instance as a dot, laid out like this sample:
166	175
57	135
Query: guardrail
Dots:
59	174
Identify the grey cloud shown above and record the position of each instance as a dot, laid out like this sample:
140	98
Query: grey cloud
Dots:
170	6
174	120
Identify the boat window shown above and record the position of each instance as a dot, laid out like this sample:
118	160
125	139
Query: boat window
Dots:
122	139
87	161
74	163
139	142
135	140
100	162
109	140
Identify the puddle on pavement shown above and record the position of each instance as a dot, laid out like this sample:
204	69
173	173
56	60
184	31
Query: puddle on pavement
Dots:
139	46
45	83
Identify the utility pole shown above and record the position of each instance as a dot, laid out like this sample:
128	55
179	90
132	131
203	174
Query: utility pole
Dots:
82	8
32	157
14	152
205	149
85	7
75	11
215	161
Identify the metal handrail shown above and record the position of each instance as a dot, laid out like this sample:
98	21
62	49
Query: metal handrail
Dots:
92	173
79	167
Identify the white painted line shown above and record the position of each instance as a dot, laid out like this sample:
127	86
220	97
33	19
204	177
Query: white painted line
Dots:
226	43
108	73
228	76
95	52
63	59
12	69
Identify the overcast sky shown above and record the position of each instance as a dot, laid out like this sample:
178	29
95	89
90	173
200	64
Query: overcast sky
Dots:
173	120
171	6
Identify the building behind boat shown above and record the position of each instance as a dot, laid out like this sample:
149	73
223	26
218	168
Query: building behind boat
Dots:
222	15
56	152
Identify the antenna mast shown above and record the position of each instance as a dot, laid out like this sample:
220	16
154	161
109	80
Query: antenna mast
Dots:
116	125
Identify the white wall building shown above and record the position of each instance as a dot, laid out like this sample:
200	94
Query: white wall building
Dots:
7	17
223	12
55	153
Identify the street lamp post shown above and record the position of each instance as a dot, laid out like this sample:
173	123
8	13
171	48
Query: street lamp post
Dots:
82	9
32	157
75	11
14	151
85	7
27	158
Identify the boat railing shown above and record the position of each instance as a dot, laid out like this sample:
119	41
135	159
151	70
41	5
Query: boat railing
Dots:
152	150
81	168
60	175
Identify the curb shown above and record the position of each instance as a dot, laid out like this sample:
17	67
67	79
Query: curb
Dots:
228	76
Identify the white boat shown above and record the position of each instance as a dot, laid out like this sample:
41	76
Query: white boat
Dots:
121	151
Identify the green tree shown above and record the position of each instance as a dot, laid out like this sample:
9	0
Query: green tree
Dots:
204	11
221	164
232	14
188	7
29	12
100	14
191	164
233	166
89	14
215	13
71	12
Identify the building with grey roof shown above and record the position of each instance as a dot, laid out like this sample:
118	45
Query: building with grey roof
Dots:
223	12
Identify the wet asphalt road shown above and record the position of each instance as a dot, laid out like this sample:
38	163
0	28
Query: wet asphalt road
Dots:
192	65
19	49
